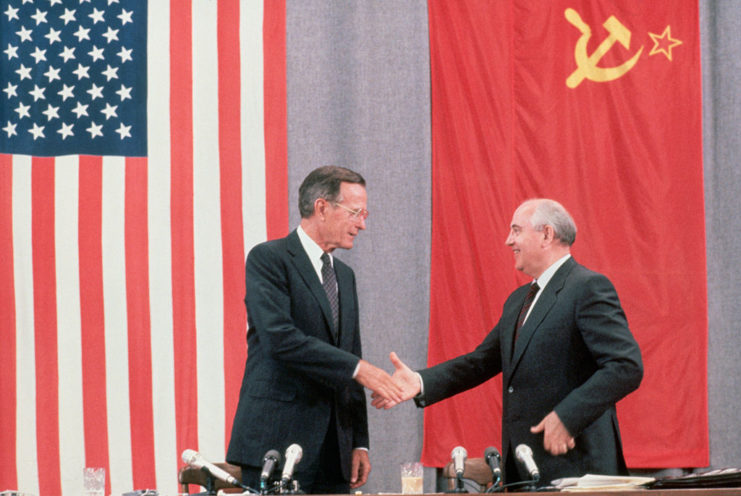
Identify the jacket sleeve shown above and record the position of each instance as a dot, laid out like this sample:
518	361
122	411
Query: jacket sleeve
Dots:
604	330
463	372
361	438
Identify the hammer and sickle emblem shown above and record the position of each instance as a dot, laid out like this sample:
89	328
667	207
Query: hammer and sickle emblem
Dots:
587	64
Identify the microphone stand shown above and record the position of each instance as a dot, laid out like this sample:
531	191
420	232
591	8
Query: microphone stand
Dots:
459	485
290	487
496	485
210	483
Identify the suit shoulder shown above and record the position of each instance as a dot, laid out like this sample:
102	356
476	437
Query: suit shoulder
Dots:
583	273
267	247
268	257
589	284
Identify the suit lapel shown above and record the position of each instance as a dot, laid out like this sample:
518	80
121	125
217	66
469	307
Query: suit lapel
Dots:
542	307
509	321
305	268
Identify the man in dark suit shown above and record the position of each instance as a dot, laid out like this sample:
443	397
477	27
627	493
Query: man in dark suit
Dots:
566	357
304	376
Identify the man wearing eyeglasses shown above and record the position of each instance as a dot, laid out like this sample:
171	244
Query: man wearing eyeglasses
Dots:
304	376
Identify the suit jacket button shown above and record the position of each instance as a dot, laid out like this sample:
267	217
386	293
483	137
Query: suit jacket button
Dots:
510	389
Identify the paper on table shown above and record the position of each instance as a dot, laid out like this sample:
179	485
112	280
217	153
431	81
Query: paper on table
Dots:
601	482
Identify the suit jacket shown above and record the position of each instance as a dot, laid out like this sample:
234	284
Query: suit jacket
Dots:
575	354
298	371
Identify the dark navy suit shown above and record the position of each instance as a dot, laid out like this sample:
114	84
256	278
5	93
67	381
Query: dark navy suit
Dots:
298	376
575	354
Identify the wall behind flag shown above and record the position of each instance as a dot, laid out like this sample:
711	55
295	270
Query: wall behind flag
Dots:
722	147
358	96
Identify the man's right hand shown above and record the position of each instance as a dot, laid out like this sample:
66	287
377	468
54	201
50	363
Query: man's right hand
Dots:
405	378
378	381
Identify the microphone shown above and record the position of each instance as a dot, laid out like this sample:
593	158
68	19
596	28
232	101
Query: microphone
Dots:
525	456
459	455
271	460
493	458
194	458
293	456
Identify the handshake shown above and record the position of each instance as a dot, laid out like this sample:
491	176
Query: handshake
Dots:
389	390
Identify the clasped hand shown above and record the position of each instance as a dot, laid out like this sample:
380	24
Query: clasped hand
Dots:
405	379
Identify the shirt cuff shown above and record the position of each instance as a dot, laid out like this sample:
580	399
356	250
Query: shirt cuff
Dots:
421	385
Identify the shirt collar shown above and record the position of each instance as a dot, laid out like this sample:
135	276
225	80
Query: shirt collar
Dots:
313	250
547	275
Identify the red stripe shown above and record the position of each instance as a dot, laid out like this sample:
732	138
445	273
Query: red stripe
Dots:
276	127
8	468
92	316
139	324
230	157
45	325
183	283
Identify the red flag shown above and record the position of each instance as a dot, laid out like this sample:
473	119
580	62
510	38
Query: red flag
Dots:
596	104
137	171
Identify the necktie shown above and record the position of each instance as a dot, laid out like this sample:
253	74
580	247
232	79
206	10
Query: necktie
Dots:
526	306
329	281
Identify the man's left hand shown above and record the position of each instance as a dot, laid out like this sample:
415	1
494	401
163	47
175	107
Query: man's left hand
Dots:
361	467
556	438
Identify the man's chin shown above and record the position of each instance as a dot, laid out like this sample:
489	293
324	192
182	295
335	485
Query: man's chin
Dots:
348	244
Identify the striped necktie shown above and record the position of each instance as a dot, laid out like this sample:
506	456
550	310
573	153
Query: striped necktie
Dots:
329	281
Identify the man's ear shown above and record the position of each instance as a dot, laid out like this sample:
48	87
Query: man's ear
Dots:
549	234
320	207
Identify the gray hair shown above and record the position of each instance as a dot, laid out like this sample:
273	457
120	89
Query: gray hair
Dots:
551	213
324	182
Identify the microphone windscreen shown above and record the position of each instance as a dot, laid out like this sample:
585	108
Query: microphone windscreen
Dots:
274	454
189	456
491	451
459	451
295	451
522	451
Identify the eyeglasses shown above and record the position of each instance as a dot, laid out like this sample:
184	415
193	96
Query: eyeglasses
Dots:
358	213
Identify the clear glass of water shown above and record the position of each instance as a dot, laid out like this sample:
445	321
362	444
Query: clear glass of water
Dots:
411	478
94	481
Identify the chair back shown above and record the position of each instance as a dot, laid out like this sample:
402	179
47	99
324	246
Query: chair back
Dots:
194	475
476	473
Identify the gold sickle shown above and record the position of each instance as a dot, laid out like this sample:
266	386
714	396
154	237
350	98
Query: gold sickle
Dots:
587	64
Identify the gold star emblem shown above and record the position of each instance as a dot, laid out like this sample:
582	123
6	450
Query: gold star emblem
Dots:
664	43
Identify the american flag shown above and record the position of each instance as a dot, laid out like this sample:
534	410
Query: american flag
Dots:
142	153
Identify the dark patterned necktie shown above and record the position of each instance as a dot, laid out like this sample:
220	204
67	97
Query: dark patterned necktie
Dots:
329	281
526	306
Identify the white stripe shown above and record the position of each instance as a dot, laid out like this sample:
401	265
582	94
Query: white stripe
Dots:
252	123
208	265
26	452
116	325
160	256
66	234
